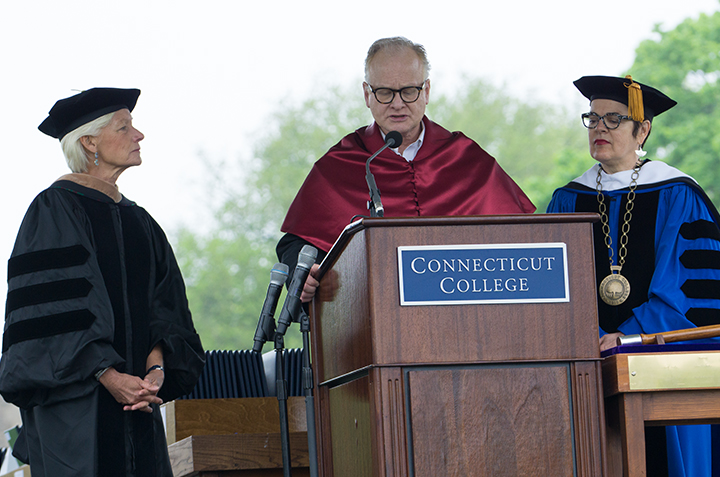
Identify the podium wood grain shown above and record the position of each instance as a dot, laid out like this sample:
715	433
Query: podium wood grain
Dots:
454	389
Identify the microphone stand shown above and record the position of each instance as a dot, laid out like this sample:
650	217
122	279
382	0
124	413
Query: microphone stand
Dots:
307	377
392	139
281	391
290	311
282	395
374	204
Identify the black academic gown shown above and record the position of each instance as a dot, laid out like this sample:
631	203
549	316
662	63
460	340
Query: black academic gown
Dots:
92	283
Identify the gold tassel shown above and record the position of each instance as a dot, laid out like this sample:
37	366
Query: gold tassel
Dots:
636	109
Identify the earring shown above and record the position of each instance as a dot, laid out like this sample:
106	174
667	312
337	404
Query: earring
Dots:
639	152
97	163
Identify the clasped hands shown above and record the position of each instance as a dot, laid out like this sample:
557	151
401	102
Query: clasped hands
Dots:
134	393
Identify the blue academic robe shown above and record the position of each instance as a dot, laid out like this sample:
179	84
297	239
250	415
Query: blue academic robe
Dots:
672	264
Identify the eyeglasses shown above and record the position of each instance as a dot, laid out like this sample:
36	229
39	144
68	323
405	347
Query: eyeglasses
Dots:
610	120
408	94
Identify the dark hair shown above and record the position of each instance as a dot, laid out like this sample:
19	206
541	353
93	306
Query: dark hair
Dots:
636	130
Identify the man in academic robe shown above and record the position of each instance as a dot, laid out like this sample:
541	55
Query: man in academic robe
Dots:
433	172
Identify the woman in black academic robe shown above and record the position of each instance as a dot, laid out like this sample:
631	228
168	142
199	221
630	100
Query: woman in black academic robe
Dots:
98	331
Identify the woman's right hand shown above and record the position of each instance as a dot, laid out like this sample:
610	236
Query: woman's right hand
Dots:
133	392
609	340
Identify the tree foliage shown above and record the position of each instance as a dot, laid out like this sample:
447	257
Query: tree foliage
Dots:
684	63
531	141
227	272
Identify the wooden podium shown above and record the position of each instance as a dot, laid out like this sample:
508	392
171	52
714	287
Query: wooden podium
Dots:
664	386
490	389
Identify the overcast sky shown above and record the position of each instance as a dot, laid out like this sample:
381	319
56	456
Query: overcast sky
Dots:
212	72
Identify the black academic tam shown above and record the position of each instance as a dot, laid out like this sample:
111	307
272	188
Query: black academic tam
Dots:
70	113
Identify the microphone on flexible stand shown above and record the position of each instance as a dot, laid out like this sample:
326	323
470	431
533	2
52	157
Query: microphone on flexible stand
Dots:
293	304
291	311
393	139
266	324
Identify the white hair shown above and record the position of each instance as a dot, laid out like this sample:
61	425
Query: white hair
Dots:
76	155
397	44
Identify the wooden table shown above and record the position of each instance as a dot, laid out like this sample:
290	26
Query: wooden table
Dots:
234	437
238	455
655	389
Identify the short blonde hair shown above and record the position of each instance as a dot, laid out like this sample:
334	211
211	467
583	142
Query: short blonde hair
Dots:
76	155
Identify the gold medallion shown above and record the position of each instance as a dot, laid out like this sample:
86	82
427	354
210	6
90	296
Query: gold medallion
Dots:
614	289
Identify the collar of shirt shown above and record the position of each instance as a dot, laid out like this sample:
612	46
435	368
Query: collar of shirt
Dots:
411	151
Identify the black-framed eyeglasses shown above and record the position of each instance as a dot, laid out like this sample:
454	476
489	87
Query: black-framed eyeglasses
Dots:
610	120
408	94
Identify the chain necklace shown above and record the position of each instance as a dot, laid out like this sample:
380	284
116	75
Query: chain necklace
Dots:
615	288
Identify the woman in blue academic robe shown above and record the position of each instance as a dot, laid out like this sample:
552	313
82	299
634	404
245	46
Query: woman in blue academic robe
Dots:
657	246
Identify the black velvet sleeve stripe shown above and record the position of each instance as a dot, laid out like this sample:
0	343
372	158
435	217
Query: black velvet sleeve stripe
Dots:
46	326
47	260
699	259
701	289
47	292
703	316
700	229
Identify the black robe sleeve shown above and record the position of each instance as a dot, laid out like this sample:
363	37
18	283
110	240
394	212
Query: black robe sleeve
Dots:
171	323
58	319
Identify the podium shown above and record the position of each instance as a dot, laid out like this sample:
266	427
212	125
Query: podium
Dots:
457	389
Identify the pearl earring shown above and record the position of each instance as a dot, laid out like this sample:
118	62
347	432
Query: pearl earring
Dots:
97	163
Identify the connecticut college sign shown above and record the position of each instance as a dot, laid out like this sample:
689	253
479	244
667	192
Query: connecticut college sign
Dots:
488	273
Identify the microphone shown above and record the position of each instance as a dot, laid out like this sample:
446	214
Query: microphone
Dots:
293	304
392	139
266	323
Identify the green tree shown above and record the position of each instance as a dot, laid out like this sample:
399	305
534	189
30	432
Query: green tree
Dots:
223	276
684	64
533	142
227	271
